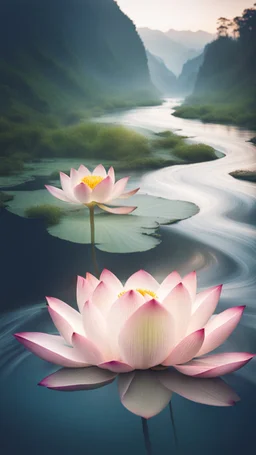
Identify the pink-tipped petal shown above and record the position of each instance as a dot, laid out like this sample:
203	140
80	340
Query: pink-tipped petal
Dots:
128	194
116	367
168	284
75	177
213	392
119	313
142	393
82	379
65	183
203	308
215	365
83	193
87	349
103	191
92	279
119	187
51	348
178	303
186	349
147	337
66	319
84	290
117	210
142	280
59	194
218	329
83	171
100	171
190	282
96	328
111	174
103	297
111	280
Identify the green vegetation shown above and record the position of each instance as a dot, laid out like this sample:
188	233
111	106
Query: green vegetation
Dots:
225	90
250	176
5	198
49	213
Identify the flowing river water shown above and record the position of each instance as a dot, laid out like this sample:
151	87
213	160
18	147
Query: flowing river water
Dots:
219	242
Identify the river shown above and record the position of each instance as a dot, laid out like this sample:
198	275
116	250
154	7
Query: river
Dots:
219	242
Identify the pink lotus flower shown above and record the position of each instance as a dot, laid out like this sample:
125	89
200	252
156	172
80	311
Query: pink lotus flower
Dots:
157	386
140	325
90	189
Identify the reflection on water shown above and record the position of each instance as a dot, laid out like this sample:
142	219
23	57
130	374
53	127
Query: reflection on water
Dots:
145	393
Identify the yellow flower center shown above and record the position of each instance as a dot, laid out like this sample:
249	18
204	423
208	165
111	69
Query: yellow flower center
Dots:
143	292
92	180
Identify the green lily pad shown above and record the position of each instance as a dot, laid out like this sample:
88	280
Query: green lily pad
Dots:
114	233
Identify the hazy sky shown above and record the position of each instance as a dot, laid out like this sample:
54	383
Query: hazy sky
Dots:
182	14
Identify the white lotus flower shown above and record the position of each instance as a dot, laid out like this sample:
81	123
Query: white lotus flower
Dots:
90	189
140	325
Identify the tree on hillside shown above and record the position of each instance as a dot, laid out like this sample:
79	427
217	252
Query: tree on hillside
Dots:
222	29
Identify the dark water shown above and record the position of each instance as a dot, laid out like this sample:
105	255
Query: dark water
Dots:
219	243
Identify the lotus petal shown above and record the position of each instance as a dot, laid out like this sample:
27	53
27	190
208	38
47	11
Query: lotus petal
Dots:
141	280
117	210
116	367
178	303
83	193
186	349
102	191
96	328
218	329
103	297
128	194
111	280
84	290
83	171
59	194
75	177
100	171
215	365
66	184
168	284
147	337
78	379
111	174
66	319
214	392
119	187
87	349
143	394
190	282
51	348
203	308
120	312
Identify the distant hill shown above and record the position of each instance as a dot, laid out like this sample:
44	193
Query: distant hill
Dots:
188	77
172	53
58	56
163	79
225	89
196	40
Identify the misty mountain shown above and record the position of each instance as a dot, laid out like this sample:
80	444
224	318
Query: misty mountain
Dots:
163	79
80	53
195	40
188	77
172	53
225	89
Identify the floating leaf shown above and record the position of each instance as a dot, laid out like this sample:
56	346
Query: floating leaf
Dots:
114	233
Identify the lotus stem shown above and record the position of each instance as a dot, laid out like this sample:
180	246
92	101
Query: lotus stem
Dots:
146	436
94	260
92	224
174	428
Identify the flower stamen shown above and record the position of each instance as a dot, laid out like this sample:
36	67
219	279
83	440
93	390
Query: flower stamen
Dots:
143	292
91	180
